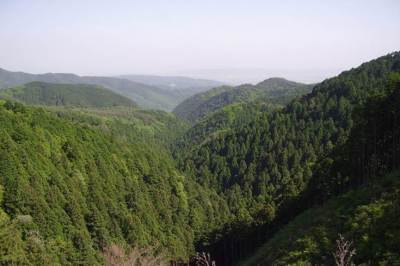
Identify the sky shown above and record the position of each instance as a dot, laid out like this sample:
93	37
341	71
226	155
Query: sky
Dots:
232	41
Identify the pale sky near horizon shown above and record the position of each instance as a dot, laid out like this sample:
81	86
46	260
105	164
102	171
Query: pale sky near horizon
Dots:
234	41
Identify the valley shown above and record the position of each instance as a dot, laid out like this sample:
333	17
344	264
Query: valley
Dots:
265	174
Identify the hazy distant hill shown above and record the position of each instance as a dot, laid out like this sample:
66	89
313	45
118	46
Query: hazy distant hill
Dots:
181	87
174	82
276	90
52	94
144	95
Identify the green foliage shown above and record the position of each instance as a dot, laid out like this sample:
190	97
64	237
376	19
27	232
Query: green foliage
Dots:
367	213
270	160
371	150
74	180
367	216
85	189
129	124
276	90
40	93
217	124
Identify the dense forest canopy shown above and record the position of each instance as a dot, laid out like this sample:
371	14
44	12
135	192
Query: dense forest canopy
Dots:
277	90
82	190
271	157
264	165
268	174
361	178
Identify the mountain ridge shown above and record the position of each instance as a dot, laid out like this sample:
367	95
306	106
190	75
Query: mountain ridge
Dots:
144	95
174	82
275	90
60	94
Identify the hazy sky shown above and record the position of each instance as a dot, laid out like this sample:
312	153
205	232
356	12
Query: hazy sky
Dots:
237	41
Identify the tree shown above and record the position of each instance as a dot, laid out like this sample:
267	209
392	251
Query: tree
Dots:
203	259
344	252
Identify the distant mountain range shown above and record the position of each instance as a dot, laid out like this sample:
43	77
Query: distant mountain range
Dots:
158	96
52	94
174	82
275	90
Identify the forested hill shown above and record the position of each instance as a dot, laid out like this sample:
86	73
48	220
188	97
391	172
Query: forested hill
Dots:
276	90
146	96
71	187
267	163
362	178
41	93
128	124
219	123
79	182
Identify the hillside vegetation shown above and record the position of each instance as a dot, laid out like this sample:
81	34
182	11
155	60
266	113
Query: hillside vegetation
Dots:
127	123
276	90
69	190
146	96
51	94
264	165
366	214
265	175
219	123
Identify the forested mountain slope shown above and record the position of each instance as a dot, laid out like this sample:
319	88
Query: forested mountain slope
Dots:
366	215
127	123
144	95
277	90
215	125
52	94
75	180
69	189
262	166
